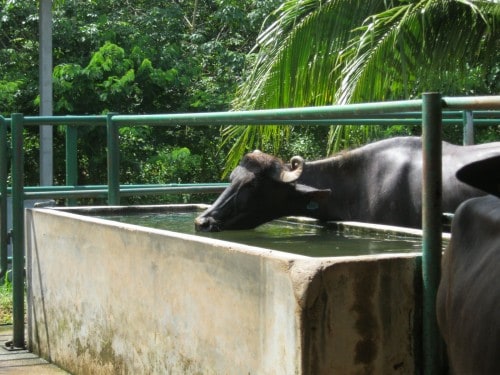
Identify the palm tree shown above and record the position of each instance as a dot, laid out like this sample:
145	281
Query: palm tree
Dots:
321	52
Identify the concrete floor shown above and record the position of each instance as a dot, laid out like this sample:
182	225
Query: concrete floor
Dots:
22	361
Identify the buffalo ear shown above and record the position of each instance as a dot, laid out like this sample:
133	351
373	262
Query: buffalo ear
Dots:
483	174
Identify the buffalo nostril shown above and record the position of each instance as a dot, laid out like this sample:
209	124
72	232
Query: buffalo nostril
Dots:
202	224
206	224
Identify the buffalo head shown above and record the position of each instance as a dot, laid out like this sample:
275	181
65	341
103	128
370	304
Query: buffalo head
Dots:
262	188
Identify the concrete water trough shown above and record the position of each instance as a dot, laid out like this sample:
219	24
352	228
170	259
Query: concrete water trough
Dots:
107	297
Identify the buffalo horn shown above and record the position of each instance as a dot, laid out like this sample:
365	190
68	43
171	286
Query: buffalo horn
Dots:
297	164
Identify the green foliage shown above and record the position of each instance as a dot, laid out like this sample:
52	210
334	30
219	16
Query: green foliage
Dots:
146	56
308	142
5	301
154	56
321	52
423	45
18	56
111	81
8	92
173	166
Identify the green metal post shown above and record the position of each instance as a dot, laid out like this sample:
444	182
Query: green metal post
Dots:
3	198
18	230
113	161
71	159
431	226
468	126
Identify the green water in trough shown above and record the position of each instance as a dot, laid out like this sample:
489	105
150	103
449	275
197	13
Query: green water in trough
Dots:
288	236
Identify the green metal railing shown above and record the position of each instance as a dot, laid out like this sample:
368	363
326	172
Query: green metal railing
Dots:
431	230
3	196
430	112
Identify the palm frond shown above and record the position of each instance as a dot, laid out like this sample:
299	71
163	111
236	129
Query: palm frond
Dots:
415	48
321	52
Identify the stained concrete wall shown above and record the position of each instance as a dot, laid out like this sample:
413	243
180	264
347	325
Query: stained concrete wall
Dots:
113	298
361	317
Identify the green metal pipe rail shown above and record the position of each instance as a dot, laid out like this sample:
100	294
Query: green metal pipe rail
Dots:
431	228
431	112
3	196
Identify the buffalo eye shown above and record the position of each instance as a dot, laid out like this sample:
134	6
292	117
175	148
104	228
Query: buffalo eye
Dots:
246	194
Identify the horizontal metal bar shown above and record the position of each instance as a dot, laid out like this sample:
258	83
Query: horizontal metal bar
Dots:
351	121
483	121
124	193
57	120
486	114
247	117
472	102
66	194
100	191
122	187
380	121
455	114
263	117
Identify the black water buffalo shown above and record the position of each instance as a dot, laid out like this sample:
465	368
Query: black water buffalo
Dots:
468	299
377	183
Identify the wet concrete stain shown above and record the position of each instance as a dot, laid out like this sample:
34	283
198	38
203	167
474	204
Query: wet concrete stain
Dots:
366	325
